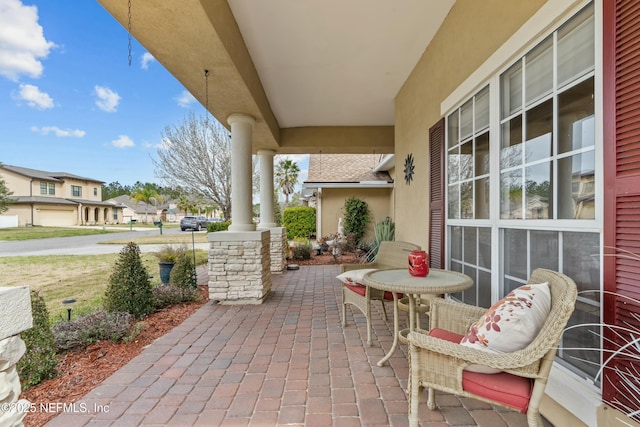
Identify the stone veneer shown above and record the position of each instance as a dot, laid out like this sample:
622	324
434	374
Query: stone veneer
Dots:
15	312
279	249
239	266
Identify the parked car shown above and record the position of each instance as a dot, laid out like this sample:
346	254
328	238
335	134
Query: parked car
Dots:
196	223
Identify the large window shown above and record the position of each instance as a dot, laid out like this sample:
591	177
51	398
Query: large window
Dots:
540	160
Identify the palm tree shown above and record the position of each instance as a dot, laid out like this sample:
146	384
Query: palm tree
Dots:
287	177
146	194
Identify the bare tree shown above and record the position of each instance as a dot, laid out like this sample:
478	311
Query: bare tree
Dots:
196	155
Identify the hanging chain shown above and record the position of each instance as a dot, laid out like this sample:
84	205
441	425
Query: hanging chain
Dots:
206	94
129	28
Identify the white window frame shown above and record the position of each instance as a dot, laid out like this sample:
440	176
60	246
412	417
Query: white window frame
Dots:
578	395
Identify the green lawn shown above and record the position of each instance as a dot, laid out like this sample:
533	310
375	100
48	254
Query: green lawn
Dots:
83	277
28	233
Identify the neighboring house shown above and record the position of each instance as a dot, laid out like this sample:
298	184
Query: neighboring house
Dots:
519	120
55	198
132	210
334	178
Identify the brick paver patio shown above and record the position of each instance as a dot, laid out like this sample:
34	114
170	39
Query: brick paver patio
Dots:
285	362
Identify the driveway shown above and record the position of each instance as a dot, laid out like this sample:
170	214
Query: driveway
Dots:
82	245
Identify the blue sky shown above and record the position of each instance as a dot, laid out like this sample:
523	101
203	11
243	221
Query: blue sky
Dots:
70	101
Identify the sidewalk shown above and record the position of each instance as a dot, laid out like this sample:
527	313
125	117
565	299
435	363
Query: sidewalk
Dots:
287	361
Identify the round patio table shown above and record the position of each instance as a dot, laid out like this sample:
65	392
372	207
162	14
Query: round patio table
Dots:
398	280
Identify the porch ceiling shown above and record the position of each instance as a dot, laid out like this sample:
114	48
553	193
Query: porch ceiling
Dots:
314	74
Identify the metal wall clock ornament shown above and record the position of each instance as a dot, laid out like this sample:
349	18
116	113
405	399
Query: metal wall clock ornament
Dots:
408	168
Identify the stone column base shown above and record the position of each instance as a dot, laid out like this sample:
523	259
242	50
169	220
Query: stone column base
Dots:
15	312
278	249
239	266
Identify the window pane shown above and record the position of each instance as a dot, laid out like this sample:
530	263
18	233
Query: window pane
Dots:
515	254
484	289
539	191
454	202
452	128
511	90
456	243
466	119
576	118
539	71
43	188
576	49
466	160
482	109
482	155
539	129
482	198
469	295
453	169
582	264
576	186
582	261
484	245
466	200
544	250
470	238
511	195
511	143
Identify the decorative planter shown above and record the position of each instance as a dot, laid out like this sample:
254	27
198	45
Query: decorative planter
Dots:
418	263
165	271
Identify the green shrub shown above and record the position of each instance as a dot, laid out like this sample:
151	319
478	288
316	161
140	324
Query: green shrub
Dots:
299	221
169	253
97	326
301	248
183	273
40	360
385	230
218	226
129	287
165	296
356	217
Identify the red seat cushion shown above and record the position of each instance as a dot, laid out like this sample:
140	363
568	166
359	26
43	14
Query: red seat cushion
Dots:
502	387
361	289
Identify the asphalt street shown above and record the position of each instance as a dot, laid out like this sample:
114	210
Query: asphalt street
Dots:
84	245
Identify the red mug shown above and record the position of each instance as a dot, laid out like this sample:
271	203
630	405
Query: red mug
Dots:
418	263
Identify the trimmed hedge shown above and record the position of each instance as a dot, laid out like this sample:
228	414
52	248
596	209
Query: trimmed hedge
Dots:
299	221
218	226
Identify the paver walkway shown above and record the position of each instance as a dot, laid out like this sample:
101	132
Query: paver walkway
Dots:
287	361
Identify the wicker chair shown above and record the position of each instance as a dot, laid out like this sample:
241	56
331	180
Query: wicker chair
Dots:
437	361
390	255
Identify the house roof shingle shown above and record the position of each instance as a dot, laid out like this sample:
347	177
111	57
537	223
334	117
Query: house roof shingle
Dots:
48	176
345	168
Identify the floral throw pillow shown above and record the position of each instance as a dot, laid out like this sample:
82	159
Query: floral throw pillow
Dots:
510	324
353	277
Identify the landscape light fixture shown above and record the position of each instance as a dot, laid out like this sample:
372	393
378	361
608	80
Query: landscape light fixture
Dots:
68	303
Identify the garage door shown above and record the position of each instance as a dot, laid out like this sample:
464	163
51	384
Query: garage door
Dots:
57	217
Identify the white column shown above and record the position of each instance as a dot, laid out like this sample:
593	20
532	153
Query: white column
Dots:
241	168
266	189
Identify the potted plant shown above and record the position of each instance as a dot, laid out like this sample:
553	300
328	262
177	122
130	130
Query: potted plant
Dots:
167	257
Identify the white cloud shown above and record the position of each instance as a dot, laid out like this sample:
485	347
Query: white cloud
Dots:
185	99
123	141
22	42
33	96
45	130
108	100
145	59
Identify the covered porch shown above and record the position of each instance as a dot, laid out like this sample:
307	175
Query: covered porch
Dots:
287	361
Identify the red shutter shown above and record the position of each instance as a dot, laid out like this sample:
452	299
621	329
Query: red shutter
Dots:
436	195
621	77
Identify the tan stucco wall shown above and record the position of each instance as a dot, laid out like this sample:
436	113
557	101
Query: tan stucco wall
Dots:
472	31
378	199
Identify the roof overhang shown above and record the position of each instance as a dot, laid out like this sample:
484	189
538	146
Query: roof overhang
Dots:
316	76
